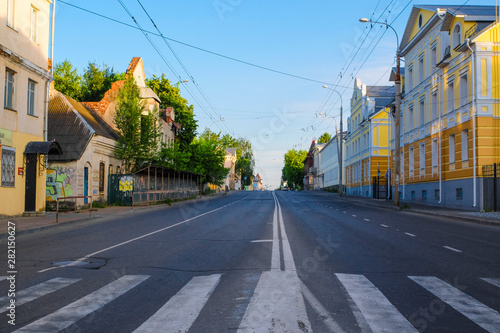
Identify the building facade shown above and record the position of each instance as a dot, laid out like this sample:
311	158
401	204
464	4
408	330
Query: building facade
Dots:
329	164
25	73
367	140
450	125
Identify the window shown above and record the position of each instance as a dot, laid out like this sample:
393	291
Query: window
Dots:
420	21
33	23
434	106
8	100
422	158
451	96
421	68
413	195
410	117
10	13
435	149
118	170
433	57
460	194
421	112
411	161
436	194
31	97
465	145
464	90
110	169
409	83
424	194
451	156
456	36
101	177
8	167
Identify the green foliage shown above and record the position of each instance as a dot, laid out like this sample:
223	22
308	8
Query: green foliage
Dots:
97	80
90	87
245	167
184	113
293	171
138	134
207	159
67	80
325	138
173	157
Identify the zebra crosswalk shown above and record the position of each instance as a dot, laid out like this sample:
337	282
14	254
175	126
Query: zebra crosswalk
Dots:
179	312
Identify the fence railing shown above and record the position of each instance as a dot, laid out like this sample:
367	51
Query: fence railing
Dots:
491	186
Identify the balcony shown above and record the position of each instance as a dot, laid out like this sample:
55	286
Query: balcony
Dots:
446	58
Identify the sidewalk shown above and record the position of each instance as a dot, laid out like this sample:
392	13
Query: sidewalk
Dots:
35	223
471	216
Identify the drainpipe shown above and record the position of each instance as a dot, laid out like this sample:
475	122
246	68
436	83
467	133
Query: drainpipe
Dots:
467	41
441	105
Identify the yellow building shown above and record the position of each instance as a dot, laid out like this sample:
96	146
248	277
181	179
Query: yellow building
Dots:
367	139
450	125
24	68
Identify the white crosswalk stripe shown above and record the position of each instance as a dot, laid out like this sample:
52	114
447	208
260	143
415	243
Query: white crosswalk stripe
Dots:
479	313
380	314
3	278
39	290
77	310
183	308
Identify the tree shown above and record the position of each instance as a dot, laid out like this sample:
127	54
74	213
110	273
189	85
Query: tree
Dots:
293	171
173	157
184	113
138	134
97	80
67	80
325	138
207	159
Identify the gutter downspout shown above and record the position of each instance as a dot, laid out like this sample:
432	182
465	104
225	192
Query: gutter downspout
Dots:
441	105
474	162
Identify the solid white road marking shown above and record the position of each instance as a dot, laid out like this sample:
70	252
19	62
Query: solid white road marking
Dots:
34	292
385	226
76	262
262	241
493	281
379	313
411	235
476	311
328	320
452	249
70	314
180	312
275	255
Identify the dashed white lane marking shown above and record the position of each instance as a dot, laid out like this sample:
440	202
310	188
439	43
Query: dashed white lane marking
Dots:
411	235
180	312
493	281
452	249
367	220
3	278
353	215
476	311
385	226
344	212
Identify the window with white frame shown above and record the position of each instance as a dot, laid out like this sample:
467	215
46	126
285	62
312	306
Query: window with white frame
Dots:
433	57
421	68
451	96
8	167
434	105
435	149
421	111
409	80
411	161
8	100
451	145
33	24
464	90
465	145
410	117
31	97
456	36
422	158
10	13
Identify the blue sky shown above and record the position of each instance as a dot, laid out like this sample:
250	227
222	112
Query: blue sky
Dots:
315	40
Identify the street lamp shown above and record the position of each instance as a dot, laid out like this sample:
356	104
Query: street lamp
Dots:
397	159
221	119
340	138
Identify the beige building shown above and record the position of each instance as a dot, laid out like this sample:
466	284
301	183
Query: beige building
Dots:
25	73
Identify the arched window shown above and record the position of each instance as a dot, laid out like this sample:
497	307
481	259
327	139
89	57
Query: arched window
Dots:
456	36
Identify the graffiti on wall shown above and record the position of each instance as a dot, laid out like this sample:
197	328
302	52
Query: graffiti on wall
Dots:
59	183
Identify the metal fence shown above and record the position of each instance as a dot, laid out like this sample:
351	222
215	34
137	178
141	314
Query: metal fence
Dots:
382	188
491	187
152	184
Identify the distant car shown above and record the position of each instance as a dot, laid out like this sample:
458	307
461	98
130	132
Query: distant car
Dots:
285	188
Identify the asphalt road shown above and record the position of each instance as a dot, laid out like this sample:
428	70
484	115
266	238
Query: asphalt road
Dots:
256	262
